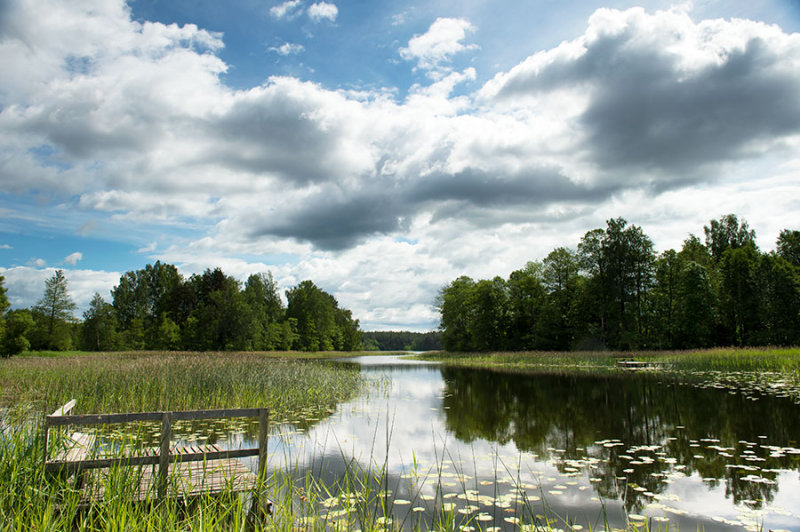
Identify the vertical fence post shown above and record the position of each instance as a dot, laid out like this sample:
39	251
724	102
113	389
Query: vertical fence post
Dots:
46	431
263	440
164	457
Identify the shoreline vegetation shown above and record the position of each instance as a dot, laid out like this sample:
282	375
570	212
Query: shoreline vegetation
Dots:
784	360
758	370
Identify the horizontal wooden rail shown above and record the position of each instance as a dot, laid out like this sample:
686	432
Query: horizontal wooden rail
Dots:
71	466
185	415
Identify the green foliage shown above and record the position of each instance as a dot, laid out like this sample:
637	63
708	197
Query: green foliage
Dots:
156	308
616	294
53	315
99	331
320	324
788	246
401	341
17	325
727	233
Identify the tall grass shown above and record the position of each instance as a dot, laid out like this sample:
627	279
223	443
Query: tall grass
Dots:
168	381
33	386
781	360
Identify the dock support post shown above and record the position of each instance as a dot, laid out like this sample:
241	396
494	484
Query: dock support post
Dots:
164	457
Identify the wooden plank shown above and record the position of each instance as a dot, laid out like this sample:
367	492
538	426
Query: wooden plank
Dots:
96	419
187	480
187	415
148	457
64	410
212	414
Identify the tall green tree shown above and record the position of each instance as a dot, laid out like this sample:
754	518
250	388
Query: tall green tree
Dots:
55	310
620	260
142	297
665	298
3	304
266	309
490	304
788	246
738	296
18	325
315	312
778	289
694	315
455	308
595	295
221	319
561	280
727	233
522	310
99	331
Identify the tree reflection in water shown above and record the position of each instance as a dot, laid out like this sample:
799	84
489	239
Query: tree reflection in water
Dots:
637	431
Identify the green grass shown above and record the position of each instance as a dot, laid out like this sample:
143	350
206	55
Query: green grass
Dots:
129	382
265	354
781	360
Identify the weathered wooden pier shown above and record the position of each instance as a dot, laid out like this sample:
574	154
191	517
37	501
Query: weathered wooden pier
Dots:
178	472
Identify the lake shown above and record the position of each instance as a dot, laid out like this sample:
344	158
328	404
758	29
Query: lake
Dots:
486	450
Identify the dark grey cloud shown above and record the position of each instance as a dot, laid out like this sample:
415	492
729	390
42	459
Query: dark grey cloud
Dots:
336	222
278	132
651	110
537	186
644	115
339	221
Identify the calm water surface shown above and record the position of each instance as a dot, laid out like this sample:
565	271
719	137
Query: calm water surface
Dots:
495	448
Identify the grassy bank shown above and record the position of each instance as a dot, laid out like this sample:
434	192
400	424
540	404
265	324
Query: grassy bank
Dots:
32	386
143	381
779	360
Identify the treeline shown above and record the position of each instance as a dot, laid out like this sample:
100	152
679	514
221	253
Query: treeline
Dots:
401	341
157	308
615	292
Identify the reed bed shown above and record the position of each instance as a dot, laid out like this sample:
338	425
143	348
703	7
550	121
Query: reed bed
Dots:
133	382
776	359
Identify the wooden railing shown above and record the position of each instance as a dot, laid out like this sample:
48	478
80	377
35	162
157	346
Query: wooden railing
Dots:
163	457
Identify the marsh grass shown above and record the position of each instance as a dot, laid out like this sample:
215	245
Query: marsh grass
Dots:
130	382
777	359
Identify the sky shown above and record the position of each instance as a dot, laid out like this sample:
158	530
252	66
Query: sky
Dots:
382	148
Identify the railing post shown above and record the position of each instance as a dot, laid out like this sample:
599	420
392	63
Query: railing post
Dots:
263	440
62	411
46	431
164	457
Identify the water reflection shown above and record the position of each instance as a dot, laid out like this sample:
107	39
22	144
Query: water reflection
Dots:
640	428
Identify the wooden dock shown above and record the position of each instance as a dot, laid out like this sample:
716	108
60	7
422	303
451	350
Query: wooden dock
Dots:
174	472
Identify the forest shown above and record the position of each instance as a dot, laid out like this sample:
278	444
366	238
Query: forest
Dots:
401	341
615	292
157	308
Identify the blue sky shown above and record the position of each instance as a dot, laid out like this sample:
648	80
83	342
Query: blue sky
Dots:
378	148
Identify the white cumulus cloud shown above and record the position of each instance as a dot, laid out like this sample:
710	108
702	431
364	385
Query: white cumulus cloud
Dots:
288	9
323	11
73	258
436	47
288	48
